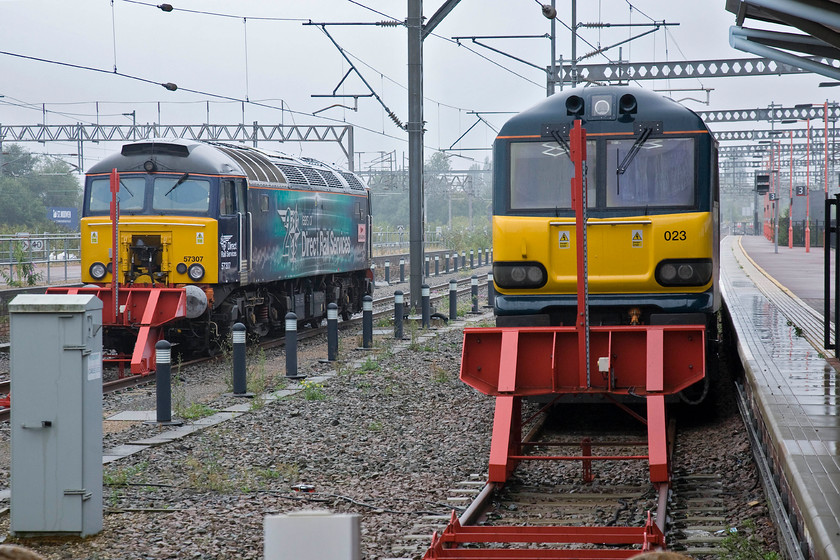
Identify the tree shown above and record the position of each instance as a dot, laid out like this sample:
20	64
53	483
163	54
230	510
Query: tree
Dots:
29	184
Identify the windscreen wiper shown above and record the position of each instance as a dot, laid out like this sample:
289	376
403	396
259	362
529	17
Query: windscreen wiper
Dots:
637	145
183	178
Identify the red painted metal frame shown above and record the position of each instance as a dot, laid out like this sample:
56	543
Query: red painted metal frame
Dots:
144	309
444	545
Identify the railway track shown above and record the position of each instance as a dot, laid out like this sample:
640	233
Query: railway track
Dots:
697	504
382	308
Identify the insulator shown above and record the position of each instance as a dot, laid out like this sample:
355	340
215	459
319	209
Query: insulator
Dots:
396	120
390	23
595	24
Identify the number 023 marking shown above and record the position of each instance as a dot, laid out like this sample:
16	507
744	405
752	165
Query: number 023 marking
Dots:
675	235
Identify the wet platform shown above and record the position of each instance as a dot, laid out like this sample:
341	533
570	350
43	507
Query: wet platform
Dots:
775	300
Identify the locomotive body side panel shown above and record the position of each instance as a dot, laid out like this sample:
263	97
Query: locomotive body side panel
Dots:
299	233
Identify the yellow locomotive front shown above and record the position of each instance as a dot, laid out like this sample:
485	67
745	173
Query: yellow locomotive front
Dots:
652	203
153	247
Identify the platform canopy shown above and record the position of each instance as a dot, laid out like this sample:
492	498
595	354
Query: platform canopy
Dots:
812	42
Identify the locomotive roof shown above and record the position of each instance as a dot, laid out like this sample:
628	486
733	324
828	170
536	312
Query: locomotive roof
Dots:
650	107
212	158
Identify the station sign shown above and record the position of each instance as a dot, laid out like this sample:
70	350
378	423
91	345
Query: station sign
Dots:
801	190
67	216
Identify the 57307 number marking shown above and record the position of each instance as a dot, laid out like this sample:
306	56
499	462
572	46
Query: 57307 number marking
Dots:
191	258
675	235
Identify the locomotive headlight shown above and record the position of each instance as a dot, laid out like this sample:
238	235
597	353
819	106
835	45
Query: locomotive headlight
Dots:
181	268
668	272
684	272
195	272
519	275
98	270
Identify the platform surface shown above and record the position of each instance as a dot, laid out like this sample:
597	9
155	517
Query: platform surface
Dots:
776	301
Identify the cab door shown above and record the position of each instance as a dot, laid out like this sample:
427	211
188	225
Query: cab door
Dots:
234	231
245	230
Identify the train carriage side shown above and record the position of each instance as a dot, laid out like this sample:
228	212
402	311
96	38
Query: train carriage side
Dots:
652	199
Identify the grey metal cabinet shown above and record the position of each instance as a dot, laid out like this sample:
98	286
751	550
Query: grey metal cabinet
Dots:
56	417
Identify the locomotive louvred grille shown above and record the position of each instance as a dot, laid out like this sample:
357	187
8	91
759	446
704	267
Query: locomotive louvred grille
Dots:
331	179
293	173
315	179
353	181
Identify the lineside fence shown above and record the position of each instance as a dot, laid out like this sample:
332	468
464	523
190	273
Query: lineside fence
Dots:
39	258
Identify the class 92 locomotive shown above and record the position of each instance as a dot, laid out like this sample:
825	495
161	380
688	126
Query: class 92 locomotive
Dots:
652	200
251	234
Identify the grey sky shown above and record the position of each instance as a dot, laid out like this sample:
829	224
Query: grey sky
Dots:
287	62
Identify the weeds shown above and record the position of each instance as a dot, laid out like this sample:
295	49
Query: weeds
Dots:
196	410
121	476
439	374
745	545
23	272
370	365
313	391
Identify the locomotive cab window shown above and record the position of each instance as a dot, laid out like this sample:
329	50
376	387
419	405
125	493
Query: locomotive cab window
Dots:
660	173
227	200
131	194
541	173
181	194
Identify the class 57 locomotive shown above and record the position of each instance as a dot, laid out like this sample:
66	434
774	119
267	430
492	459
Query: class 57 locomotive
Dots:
206	234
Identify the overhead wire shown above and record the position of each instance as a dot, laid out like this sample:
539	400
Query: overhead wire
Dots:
225	98
215	14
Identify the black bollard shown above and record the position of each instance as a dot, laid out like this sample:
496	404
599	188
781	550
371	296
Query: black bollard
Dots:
402	271
455	261
472	259
240	371
479	258
487	256
388	273
474	292
491	290
437	265
425	305
453	300
163	382
446	266
332	332
427	267
291	347
367	322
463	259
399	310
